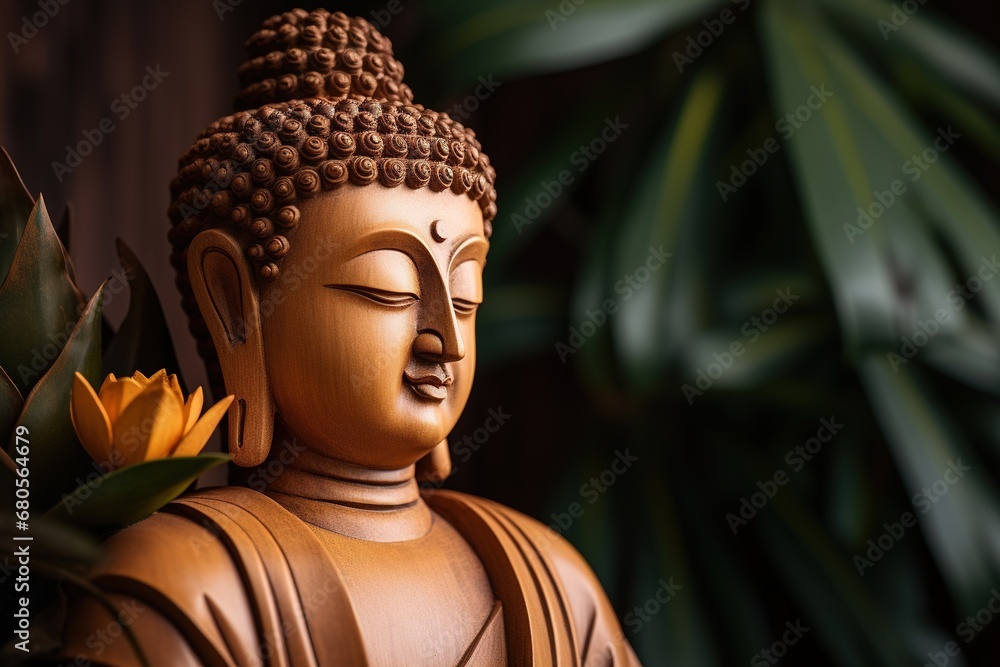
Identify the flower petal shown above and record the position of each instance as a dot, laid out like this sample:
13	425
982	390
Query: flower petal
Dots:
192	409
175	387
150	426
117	396
139	377
90	420
159	375
108	381
195	440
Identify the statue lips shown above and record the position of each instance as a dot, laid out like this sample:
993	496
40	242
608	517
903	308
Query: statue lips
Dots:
432	386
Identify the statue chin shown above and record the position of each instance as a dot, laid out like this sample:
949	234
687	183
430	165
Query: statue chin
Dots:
333	238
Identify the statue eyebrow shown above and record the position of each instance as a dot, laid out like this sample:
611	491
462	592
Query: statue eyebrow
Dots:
471	247
401	240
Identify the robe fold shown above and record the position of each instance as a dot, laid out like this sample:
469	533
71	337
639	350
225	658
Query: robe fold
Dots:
265	591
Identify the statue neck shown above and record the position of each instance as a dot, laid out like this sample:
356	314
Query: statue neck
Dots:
366	504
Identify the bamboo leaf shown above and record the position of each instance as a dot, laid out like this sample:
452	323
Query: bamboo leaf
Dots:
962	522
667	200
955	57
835	176
521	38
683	637
846	618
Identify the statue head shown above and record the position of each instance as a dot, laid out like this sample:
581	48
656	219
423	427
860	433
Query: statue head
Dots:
329	240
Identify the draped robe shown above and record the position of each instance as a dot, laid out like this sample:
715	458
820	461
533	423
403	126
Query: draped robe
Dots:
227	577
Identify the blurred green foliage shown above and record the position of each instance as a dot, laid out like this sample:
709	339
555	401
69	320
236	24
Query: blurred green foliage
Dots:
759	137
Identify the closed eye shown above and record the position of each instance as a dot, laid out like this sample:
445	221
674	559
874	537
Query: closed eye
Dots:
464	307
380	296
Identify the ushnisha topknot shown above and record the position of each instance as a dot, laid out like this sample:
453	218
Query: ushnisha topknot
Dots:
323	104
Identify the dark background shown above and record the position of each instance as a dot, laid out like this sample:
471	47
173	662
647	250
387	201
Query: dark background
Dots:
664	520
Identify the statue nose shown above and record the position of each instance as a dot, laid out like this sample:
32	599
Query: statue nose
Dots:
431	345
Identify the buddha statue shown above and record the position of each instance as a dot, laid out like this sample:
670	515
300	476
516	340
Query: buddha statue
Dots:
329	239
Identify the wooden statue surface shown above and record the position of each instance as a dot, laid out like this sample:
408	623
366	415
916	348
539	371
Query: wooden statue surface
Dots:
271	589
333	277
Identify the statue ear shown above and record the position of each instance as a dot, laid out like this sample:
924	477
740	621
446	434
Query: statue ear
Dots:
227	297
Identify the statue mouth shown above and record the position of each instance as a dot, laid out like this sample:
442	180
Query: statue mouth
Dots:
433	386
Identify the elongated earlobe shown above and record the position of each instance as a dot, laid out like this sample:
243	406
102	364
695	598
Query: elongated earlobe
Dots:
229	303
435	466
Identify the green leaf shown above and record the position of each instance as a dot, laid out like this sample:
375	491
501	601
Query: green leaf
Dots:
960	527
948	198
58	460
63	231
39	302
682	631
142	342
132	493
15	207
764	359
835	175
522	38
845	616
666	205
955	57
11	403
729	577
52	541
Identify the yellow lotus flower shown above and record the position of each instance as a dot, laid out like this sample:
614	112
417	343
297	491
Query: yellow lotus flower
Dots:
137	418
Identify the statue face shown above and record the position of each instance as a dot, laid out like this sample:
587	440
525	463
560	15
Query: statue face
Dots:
370	345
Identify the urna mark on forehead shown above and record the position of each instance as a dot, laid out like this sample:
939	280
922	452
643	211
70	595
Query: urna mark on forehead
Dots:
358	220
322	107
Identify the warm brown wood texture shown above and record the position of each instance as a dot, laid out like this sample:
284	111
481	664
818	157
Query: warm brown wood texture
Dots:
344	324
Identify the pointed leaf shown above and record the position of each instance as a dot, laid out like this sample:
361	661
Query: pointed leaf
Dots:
63	231
58	460
39	302
143	340
11	403
132	493
15	207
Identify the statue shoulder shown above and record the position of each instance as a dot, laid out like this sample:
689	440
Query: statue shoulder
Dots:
512	544
166	542
545	541
178	586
